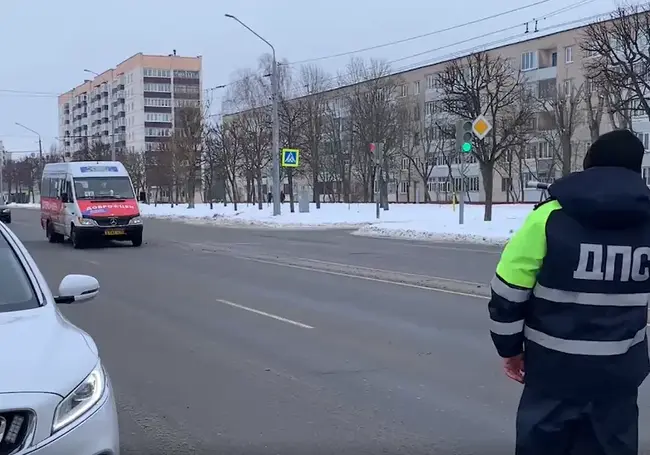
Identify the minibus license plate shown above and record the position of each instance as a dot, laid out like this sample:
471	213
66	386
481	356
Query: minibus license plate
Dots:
114	232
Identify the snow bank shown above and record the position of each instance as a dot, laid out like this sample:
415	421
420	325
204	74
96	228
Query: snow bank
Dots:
25	206
423	222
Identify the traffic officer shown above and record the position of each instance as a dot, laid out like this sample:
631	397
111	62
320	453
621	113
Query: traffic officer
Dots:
569	307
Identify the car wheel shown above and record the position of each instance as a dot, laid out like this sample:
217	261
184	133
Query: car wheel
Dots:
52	236
77	244
136	240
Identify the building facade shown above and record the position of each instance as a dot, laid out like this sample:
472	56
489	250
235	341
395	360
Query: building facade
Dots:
132	106
549	65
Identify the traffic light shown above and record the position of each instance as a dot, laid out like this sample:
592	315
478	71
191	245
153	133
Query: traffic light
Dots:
464	136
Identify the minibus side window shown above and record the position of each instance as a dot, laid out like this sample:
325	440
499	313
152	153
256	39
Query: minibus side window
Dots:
45	190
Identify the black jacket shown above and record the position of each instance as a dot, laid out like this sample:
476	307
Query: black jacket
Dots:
583	317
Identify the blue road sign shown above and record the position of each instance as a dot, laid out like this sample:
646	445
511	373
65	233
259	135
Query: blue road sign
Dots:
290	157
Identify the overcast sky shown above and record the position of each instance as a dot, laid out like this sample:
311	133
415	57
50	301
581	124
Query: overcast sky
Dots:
47	44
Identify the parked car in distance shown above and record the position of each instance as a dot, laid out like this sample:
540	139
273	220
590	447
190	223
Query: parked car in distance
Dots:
55	394
5	211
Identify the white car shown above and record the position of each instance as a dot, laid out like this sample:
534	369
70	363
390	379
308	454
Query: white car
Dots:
55	395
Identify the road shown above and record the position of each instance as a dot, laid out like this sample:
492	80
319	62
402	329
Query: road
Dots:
238	341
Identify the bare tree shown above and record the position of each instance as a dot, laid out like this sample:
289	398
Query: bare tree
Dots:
95	151
292	119
159	172
485	84
335	154
251	96
595	95
134	162
316	82
618	57
369	98
423	141
187	142
562	108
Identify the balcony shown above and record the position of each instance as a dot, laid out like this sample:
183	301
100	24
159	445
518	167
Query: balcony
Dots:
540	74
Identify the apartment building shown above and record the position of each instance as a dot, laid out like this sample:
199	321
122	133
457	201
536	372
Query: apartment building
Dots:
549	63
132	106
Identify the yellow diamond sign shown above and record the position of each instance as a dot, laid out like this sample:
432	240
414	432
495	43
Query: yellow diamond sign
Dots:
481	127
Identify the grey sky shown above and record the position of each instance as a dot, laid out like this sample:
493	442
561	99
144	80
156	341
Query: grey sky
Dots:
47	44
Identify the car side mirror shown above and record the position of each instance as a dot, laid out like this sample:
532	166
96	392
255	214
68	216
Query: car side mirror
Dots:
64	198
77	288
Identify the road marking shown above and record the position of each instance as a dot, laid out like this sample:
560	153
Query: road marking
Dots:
377	280
371	269
92	262
262	313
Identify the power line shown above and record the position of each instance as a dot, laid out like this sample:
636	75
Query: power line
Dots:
432	61
510	38
423	35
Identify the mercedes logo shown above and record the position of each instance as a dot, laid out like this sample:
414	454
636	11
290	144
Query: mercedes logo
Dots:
113	221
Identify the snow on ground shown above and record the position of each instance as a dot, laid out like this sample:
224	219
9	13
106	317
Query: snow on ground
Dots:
25	206
410	221
423	221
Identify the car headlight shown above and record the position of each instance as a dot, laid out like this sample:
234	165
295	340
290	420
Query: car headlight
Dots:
80	400
86	222
5	210
135	220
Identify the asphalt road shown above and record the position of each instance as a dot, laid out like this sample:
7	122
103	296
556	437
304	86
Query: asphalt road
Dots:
239	341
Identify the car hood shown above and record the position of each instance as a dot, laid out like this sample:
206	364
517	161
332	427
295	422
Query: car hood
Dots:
43	352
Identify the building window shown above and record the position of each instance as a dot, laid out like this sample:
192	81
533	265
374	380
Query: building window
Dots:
152	87
186	103
404	187
416	87
158	132
186	74
645	138
568	54
567	87
506	184
554	59
431	81
156	72
646	175
528	61
158	117
158	102
405	90
433	107
186	88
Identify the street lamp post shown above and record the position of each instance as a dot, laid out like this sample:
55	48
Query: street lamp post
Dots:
40	154
112	114
276	121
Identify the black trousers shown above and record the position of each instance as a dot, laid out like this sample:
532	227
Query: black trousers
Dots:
552	426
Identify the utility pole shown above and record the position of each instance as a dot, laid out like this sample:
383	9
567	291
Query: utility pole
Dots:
40	154
464	138
276	139
275	92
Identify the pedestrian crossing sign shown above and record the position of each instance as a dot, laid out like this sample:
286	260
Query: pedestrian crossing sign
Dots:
290	157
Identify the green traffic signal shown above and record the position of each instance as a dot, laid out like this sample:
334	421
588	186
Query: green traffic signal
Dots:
467	147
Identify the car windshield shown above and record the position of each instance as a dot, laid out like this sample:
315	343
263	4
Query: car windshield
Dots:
16	291
103	188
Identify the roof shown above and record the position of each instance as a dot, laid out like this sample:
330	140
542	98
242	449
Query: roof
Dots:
520	38
88	168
